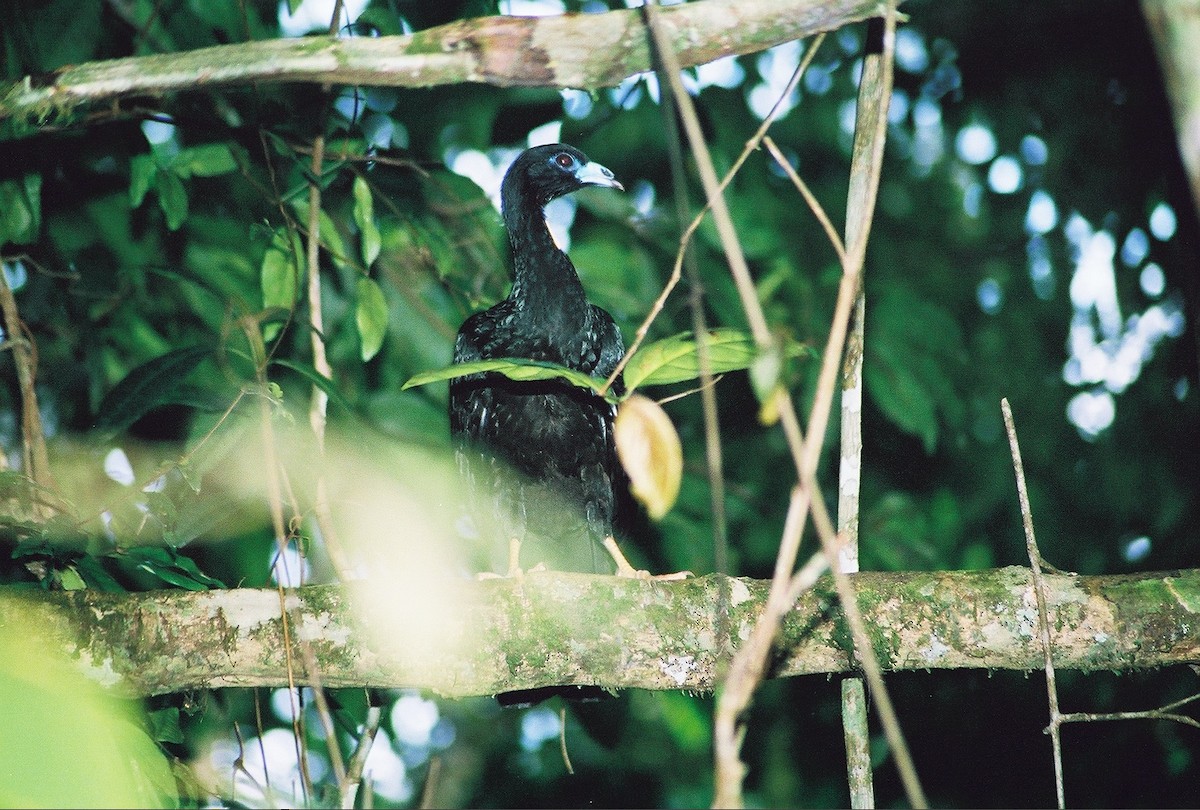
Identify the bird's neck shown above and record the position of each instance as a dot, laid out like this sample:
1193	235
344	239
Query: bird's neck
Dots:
545	280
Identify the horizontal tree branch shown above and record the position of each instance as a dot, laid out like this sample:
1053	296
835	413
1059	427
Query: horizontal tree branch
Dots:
461	638
584	51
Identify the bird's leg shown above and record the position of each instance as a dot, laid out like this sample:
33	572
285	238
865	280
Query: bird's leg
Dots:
624	569
514	563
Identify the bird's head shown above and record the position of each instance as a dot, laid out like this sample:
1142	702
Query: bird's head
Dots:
545	173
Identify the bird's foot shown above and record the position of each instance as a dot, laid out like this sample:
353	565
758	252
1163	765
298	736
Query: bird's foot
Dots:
514	564
624	569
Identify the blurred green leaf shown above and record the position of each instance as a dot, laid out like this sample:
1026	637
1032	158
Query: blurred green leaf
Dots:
172	197
96	577
20	210
364	217
148	386
914	347
70	580
371	316
324	383
163	725
66	742
171	567
142	169
280	276
206	160
331	237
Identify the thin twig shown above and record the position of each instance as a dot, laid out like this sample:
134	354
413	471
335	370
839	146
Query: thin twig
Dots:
713	454
562	740
686	238
272	469
816	207
431	781
24	351
358	760
1039	589
711	384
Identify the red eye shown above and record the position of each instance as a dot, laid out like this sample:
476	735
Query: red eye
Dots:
564	160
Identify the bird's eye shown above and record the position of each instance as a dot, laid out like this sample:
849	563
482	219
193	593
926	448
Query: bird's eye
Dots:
564	160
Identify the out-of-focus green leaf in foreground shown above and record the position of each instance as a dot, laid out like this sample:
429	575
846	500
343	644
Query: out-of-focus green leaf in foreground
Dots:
65	742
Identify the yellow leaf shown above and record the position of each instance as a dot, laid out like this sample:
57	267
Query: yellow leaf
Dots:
650	452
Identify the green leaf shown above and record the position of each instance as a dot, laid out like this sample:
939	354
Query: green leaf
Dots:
676	359
172	198
364	217
70	579
20	209
142	169
331	238
66	741
514	369
172	568
371	315
206	160
321	381
188	566
147	387
280	275
914	348
903	399
96	576
163	725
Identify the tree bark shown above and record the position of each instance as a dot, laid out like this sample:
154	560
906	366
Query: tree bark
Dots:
584	51
1175	29
461	638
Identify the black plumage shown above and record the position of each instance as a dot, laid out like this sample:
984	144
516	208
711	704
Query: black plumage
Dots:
540	455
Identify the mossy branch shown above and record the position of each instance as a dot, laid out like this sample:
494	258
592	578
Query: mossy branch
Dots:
585	51
463	638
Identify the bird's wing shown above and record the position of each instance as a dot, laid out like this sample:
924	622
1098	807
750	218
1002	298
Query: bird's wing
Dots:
612	345
467	409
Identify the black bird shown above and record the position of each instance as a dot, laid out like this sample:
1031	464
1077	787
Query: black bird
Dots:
541	452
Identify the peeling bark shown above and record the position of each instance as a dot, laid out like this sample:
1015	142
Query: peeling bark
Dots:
461	638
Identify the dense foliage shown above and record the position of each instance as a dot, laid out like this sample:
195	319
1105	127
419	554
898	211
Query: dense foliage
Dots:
156	250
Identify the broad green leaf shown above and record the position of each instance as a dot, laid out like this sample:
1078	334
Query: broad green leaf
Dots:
163	725
324	383
206	160
66	741
96	576
903	399
148	386
172	198
142	169
331	238
514	369
364	217
188	566
172	577
371	315
171	567
70	580
676	359
915	346
280	276
20	209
